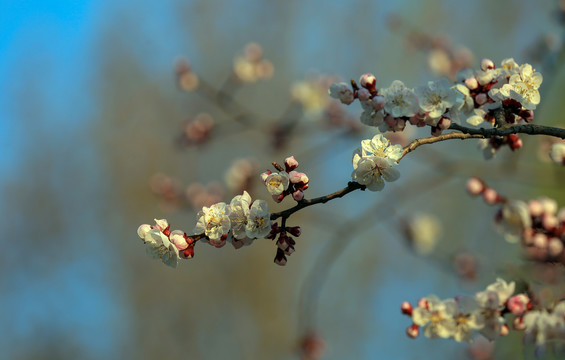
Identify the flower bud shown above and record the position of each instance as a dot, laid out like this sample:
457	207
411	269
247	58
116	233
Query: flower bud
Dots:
363	94
490	196
298	195
413	331
475	186
487	64
406	308
295	231
368	81
444	123
471	83
481	98
379	102
290	163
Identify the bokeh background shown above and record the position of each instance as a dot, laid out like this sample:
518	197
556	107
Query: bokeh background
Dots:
90	111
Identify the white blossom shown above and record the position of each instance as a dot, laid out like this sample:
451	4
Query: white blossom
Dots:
515	219
342	92
491	301
374	161
467	319
463	106
557	153
213	221
380	146
239	210
259	220
372	171
277	183
158	246
437	317
436	97
400	100
542	327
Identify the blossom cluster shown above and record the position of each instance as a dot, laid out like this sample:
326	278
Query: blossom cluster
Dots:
538	224
285	243
243	219
460	318
251	66
498	96
164	244
286	181
374	162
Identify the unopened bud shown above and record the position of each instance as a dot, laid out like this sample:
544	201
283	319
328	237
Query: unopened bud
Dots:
487	64
472	83
368	81
413	331
475	186
290	163
295	231
490	196
406	308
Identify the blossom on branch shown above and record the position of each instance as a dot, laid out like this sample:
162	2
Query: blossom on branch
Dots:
373	163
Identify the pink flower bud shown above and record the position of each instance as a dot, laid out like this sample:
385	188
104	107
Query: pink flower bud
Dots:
363	94
290	163
540	241
423	303
518	304
475	186
406	308
295	231
514	142
471	83
413	331
535	208
368	81
379	102
444	123
490	196
188	253
289	250
298	195
481	98
280	258
487	64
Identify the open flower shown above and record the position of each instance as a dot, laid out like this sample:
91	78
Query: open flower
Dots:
436	97
515	218
258	220
372	171
239	207
158	246
213	221
436	316
400	100
277	183
374	162
381	147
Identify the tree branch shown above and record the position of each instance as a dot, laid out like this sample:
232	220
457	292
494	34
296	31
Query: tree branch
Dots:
351	186
530	129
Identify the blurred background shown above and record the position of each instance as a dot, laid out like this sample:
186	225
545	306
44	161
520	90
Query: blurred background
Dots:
101	133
